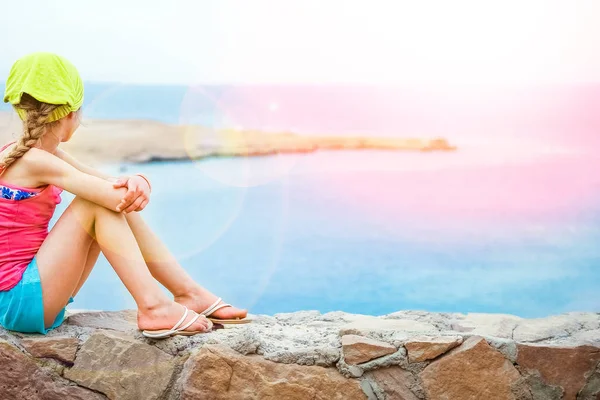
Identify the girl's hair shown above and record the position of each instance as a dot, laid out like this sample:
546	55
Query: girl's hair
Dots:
34	127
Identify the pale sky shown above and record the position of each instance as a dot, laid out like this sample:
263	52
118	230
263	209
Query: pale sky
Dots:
311	41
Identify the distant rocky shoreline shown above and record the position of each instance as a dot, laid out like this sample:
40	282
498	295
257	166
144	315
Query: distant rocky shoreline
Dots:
113	141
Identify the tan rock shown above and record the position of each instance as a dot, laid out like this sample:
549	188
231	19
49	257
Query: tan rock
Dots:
21	378
123	321
365	325
587	337
555	327
122	368
59	348
219	373
423	348
472	371
360	349
497	325
398	384
567	367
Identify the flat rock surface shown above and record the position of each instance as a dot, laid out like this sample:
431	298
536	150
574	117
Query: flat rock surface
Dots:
121	367
306	354
21	378
123	321
423	348
473	371
217	372
395	382
552	362
58	348
360	349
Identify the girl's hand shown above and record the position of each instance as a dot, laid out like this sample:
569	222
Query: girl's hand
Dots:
137	196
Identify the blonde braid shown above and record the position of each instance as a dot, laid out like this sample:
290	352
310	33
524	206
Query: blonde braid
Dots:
34	128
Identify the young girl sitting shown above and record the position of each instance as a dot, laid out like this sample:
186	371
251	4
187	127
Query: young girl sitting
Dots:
41	271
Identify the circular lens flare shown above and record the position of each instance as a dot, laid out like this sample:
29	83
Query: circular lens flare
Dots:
228	123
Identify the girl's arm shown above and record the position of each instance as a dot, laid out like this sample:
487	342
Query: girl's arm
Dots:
138	188
49	169
63	155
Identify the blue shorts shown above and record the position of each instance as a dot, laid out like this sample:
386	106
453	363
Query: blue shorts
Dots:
22	307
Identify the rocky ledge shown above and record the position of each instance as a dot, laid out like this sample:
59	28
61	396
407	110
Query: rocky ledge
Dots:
307	355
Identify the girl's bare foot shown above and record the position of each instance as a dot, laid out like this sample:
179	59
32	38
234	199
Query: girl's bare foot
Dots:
199	299
165	316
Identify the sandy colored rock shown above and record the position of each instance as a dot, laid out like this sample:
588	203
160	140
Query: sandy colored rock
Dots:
22	379
396	383
567	367
121	367
59	348
123	321
365	325
497	325
423	348
472	371
360	349
587	337
555	327
303	357
219	373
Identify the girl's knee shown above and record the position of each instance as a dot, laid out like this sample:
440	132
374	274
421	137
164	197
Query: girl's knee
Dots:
81	203
87	210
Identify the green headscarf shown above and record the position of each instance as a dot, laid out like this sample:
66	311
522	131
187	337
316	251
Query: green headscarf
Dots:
48	78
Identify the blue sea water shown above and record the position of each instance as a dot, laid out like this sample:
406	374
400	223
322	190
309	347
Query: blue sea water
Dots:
331	231
509	223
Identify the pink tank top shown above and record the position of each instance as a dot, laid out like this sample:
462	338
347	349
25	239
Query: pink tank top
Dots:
23	229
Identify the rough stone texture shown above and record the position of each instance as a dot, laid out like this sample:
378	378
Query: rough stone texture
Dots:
360	349
21	378
496	325
123	321
507	347
121	367
591	337
356	371
473	371
367	325
114	358
395	382
217	372
538	389
423	348
591	390
59	348
561	366
556	327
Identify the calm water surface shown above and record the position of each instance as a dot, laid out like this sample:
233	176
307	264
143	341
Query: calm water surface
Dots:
374	233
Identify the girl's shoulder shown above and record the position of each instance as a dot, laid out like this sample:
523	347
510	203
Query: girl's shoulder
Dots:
38	159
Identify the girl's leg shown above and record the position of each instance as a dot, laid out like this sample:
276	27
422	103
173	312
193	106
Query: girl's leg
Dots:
63	255
165	268
90	261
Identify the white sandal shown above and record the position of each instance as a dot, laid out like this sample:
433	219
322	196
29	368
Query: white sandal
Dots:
217	305
176	329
